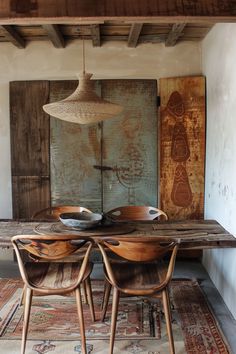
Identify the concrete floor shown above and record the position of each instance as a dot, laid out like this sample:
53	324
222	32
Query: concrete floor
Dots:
183	269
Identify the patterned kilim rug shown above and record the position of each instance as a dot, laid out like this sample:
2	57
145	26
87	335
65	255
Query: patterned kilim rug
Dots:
141	326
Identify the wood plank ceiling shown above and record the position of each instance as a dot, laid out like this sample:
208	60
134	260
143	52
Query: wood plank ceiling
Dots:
132	34
130	21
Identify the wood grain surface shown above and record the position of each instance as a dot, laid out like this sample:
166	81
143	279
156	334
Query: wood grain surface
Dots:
194	234
116	8
29	147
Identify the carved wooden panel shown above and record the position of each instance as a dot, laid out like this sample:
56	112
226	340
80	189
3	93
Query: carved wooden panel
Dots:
74	149
129	150
29	147
182	151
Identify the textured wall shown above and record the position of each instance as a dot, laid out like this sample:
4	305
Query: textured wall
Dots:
219	52
42	61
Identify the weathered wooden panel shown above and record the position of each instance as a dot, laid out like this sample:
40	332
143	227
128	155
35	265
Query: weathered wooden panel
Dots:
29	128
129	150
75	149
29	147
30	194
182	152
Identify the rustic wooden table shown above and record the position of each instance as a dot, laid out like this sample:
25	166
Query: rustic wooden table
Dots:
194	234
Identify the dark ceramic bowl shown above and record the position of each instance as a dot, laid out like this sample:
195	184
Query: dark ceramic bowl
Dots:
81	220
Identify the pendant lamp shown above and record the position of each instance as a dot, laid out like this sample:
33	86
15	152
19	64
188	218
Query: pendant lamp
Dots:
83	106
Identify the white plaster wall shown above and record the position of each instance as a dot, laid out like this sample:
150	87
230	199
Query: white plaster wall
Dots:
40	60
218	60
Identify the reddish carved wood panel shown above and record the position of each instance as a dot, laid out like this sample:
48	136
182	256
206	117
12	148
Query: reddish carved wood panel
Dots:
182	151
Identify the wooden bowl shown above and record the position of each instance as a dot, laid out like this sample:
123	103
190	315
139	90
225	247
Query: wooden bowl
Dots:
82	220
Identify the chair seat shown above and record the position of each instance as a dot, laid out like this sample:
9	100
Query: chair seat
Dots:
139	275
55	275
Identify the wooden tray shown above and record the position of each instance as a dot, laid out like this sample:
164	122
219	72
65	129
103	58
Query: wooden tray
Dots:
100	230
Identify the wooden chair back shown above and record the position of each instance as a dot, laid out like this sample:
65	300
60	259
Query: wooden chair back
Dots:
51	248
53	213
136	213
143	249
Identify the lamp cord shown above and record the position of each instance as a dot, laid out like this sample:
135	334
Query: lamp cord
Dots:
83	58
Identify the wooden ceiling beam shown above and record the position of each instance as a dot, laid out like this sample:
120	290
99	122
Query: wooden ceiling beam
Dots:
12	36
95	34
172	11
55	35
39	21
175	33
134	34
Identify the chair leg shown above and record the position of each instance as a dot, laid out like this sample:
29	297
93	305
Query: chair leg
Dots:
90	298
169	303
27	307
85	293
81	320
103	296
167	311
106	296
22	298
115	304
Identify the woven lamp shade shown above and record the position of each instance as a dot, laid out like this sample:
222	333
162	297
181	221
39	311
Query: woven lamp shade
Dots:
83	106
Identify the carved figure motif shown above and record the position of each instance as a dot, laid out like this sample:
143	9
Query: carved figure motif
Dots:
180	148
181	194
175	105
131	171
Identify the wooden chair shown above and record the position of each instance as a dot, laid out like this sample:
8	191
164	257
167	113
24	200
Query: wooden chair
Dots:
39	277
140	273
136	213
52	213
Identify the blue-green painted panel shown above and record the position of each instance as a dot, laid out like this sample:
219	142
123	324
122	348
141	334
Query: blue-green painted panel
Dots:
74	150
130	144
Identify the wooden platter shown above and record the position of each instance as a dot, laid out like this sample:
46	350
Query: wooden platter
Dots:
100	230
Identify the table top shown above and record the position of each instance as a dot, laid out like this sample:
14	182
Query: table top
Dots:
194	234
